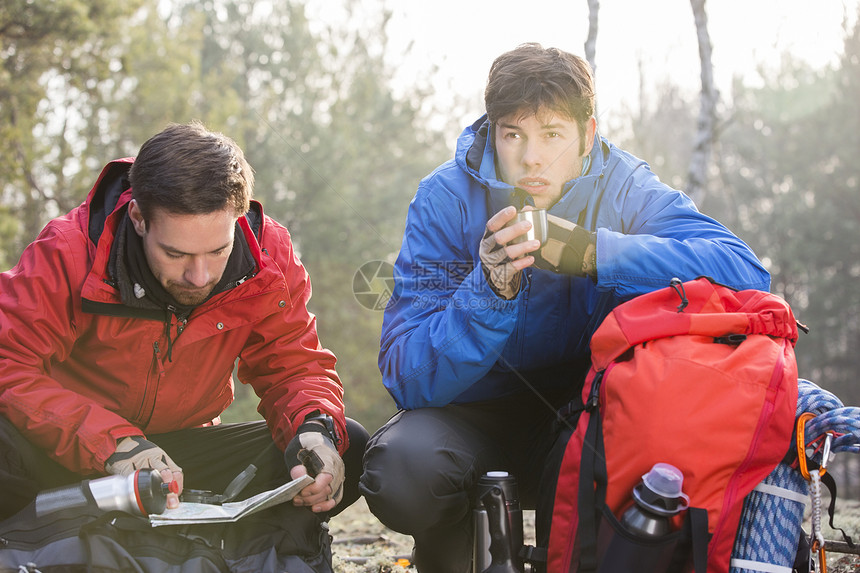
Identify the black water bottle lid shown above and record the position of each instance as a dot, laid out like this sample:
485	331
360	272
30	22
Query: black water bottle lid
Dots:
150	491
501	479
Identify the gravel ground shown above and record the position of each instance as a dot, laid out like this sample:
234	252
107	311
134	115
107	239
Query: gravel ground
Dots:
363	545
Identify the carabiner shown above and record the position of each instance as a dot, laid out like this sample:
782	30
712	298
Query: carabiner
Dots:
801	446
801	443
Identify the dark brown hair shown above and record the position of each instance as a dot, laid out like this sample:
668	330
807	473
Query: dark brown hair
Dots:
531	78
188	170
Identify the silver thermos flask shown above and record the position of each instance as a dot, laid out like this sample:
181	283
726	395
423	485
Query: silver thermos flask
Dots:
498	525
141	493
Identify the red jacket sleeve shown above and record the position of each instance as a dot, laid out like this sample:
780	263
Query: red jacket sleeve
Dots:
283	359
39	299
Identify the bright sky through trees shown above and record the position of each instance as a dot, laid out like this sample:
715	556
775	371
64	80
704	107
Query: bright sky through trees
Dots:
462	37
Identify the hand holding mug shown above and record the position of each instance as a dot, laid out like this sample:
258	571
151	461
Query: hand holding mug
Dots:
504	250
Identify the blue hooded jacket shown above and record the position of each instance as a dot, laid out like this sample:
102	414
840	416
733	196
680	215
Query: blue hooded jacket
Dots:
447	338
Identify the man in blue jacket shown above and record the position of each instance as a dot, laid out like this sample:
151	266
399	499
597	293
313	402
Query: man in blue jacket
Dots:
485	336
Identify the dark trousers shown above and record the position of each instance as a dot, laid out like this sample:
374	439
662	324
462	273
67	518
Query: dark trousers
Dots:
210	457
421	467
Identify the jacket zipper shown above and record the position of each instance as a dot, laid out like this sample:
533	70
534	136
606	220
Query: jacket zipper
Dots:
150	389
156	370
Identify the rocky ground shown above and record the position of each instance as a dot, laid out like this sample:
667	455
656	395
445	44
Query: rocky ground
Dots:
363	545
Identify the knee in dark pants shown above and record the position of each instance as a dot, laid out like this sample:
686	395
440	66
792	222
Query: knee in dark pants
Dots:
416	474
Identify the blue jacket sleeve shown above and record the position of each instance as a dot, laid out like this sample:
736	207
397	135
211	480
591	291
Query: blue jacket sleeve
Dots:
444	328
662	235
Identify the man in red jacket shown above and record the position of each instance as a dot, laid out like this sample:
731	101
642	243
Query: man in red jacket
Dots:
121	324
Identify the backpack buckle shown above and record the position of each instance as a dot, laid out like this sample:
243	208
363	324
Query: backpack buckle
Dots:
730	339
594	393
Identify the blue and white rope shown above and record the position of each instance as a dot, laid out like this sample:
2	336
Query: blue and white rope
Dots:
772	517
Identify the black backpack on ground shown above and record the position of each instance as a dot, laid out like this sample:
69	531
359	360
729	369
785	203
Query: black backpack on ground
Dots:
86	540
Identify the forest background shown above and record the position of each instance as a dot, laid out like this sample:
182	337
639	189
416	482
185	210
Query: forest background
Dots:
339	146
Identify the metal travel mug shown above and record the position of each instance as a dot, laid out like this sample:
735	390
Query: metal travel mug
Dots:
491	485
537	217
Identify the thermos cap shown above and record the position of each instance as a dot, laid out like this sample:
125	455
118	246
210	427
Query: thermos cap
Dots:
149	493
501	479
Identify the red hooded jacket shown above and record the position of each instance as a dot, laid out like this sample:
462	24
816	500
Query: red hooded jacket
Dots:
79	370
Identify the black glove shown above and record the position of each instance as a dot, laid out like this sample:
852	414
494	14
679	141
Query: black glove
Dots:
566	248
313	447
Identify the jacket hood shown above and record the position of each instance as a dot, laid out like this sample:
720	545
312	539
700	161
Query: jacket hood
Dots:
475	155
105	196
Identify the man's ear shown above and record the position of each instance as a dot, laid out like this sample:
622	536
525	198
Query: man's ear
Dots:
590	131
136	216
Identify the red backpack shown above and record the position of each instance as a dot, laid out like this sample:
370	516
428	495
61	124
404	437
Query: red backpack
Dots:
696	375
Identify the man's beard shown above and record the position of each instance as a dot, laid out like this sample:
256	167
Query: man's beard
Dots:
189	297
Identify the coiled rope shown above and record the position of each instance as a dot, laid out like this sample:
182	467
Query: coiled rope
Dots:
772	518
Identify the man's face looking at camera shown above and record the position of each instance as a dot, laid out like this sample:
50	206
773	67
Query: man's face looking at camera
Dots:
541	152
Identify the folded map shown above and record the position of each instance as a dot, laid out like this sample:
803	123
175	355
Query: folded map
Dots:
188	513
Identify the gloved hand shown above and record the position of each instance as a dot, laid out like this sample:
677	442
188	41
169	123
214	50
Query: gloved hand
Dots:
313	448
502	261
134	453
569	249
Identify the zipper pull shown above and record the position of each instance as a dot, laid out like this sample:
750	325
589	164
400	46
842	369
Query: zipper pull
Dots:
156	359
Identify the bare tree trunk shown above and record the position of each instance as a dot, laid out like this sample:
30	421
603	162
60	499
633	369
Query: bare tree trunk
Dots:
706	129
591	40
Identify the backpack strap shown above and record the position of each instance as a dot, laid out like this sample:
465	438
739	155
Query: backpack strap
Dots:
698	520
830	483
592	483
693	543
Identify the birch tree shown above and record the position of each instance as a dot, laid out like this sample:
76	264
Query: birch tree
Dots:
591	40
697	177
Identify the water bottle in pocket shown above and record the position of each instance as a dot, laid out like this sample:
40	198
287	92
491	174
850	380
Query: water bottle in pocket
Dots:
643	540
